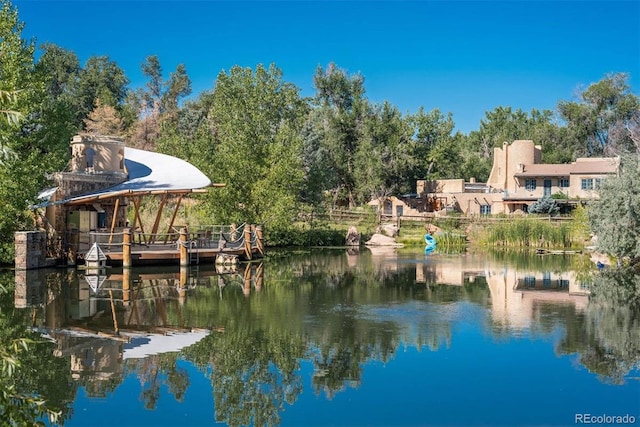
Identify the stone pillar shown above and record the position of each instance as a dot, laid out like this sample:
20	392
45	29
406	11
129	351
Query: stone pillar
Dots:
30	248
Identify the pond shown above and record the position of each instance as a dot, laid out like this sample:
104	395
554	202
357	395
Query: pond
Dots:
332	337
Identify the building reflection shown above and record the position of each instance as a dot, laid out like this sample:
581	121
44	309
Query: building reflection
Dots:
100	318
516	293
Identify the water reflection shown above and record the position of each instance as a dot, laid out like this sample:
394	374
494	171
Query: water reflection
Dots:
251	330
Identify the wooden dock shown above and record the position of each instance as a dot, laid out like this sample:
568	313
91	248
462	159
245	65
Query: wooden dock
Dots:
128	247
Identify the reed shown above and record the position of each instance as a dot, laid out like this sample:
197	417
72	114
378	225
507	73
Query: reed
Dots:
528	232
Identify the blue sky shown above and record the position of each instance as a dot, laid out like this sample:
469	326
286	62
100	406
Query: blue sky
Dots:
460	57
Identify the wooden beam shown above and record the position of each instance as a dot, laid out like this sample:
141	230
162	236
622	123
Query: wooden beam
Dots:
173	217
154	230
113	220
137	218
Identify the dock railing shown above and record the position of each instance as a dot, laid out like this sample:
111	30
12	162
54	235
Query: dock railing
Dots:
248	238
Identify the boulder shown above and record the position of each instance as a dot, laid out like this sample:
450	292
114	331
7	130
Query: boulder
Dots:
382	240
390	230
353	237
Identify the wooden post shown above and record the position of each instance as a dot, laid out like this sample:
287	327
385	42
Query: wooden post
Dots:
126	286
247	241
260	239
182	288
246	285
259	276
183	245
126	248
113	313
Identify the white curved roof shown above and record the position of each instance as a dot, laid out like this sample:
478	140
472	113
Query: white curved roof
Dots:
147	172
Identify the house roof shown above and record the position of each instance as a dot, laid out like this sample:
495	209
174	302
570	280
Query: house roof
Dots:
595	166
148	173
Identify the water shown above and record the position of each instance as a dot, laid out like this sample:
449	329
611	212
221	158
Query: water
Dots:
384	338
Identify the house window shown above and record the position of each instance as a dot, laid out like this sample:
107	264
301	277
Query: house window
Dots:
530	184
586	183
485	209
529	282
563	182
598	182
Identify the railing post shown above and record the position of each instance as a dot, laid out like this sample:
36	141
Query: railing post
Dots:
126	248
182	288
260	239
182	243
247	241
126	286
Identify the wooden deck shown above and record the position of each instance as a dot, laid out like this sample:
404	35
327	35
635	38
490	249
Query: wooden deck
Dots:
196	247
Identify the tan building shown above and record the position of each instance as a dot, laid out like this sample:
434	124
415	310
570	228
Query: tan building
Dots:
517	179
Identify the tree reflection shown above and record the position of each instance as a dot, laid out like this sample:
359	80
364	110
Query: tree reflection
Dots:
614	319
254	373
337	312
39	373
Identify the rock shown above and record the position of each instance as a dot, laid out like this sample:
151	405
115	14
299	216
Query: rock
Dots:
353	237
382	240
432	229
390	230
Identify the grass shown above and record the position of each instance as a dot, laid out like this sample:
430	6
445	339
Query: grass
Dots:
527	232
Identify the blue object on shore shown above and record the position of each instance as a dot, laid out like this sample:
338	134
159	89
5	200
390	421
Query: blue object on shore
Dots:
429	240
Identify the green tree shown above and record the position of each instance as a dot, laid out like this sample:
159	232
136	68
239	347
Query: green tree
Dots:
257	120
344	109
503	124
602	121
615	215
156	106
18	83
385	155
436	153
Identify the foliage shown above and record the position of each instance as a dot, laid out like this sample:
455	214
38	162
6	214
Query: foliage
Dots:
257	120
103	120
609	342
383	160
502	124
604	118
34	384
157	105
546	205
580	223
615	215
342	110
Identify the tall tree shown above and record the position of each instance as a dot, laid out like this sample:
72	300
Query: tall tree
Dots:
17	80
157	102
385	155
257	120
101	78
615	216
436	152
601	120
344	109
103	120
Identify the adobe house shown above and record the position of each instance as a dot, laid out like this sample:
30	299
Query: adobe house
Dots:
517	179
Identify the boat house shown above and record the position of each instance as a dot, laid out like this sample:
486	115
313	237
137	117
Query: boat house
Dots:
98	201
